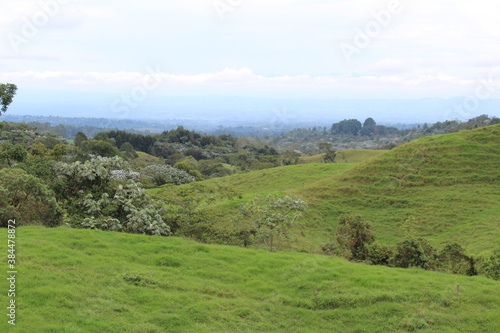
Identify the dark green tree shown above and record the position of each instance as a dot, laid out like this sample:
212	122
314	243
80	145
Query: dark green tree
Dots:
13	153
7	93
355	235
27	199
79	138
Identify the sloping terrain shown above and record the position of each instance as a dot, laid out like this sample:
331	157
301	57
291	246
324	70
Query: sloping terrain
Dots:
93	281
446	186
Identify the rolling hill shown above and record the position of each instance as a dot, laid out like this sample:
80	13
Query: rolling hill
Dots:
446	186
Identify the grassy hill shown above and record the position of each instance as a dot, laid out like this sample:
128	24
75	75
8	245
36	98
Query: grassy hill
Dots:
345	156
447	186
92	281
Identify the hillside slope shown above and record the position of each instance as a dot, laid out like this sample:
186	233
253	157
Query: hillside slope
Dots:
447	187
92	281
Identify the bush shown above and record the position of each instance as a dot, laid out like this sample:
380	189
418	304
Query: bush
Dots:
491	265
415	252
166	174
130	209
354	235
454	260
25	198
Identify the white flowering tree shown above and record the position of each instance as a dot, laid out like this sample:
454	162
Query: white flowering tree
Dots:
165	174
130	209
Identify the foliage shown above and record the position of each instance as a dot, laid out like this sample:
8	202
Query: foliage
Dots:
93	174
415	252
39	166
13	153
27	199
129	209
492	265
329	156
128	150
79	138
355	235
166	174
98	147
453	259
189	213
271	217
7	93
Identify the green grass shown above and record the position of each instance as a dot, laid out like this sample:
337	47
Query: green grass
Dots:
92	281
449	184
345	156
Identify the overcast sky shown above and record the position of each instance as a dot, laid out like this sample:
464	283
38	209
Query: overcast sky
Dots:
260	48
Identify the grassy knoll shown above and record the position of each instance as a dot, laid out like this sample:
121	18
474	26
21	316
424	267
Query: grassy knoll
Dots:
92	281
345	156
447	186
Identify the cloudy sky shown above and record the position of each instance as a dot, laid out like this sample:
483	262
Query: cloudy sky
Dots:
260	48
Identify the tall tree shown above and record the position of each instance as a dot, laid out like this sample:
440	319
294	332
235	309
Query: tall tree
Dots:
7	93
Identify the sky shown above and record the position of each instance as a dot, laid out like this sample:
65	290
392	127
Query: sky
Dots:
319	49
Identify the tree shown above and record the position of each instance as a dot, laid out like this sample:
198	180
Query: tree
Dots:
27	199
369	122
330	156
166	174
79	138
13	153
7	93
492	265
98	147
369	127
454	260
348	127
355	235
128	150
93	175
272	217
415	252
324	146
129	209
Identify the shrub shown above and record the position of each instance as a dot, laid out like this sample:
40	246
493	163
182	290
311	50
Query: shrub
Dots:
491	265
166	174
354	235
415	252
25	198
130	209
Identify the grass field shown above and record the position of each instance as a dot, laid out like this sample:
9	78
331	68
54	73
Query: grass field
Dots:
92	281
448	185
345	156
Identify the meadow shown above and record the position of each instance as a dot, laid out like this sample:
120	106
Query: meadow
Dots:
73	280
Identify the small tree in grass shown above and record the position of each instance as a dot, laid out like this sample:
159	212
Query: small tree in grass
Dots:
491	265
271	217
355	235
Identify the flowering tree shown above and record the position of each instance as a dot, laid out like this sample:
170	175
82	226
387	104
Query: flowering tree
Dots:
166	174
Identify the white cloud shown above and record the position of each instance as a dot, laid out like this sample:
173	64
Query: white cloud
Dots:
244	81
